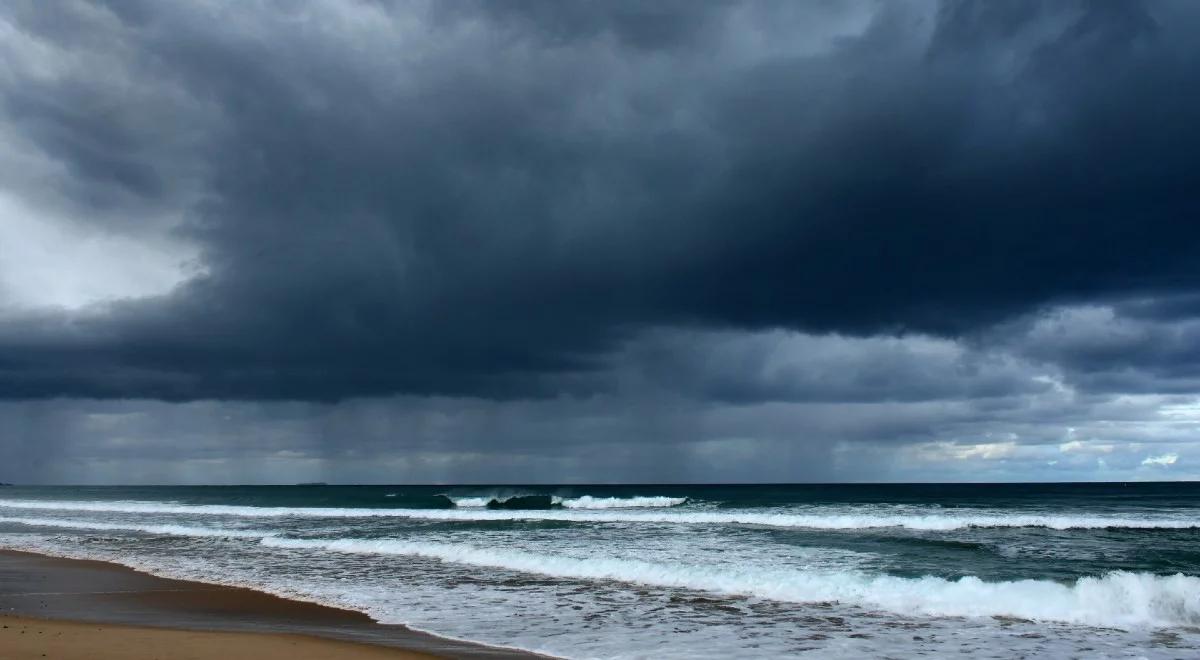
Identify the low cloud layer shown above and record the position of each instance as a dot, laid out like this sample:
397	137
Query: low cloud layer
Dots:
618	241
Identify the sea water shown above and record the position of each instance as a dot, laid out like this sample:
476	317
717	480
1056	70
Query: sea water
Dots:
827	571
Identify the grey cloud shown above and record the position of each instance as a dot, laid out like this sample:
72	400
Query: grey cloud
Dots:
739	367
1112	348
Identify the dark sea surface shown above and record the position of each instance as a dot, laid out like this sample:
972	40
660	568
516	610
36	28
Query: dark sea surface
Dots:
650	571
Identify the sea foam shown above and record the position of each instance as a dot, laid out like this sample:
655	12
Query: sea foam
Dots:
1115	599
168	530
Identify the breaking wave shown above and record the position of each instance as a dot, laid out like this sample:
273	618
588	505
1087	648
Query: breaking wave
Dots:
589	502
545	502
469	502
1115	599
514	502
1119	598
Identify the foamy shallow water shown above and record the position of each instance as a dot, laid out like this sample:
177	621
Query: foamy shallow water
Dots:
704	573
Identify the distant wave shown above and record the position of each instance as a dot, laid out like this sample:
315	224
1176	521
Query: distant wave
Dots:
523	502
833	521
1116	599
541	502
593	511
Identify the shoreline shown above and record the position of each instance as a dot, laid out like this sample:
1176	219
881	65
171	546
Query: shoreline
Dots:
70	596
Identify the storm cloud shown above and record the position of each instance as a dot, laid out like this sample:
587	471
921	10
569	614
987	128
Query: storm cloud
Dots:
761	226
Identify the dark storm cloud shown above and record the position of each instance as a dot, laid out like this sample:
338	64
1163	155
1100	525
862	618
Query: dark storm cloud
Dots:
490	199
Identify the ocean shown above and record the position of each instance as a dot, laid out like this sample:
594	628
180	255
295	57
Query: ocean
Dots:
823	571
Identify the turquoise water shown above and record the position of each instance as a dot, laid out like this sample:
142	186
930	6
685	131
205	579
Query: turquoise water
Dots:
1099	570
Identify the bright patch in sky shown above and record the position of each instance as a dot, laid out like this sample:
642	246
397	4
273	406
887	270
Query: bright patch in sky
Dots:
51	262
1164	460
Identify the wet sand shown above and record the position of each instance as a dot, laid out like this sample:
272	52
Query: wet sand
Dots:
60	601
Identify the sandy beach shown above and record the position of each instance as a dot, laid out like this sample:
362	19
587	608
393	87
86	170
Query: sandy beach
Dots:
62	608
22	638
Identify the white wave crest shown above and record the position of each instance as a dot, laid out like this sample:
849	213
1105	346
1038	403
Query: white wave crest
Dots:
1116	599
150	507
839	518
480	501
471	502
168	530
589	502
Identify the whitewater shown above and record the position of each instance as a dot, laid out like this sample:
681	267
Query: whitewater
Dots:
701	571
838	519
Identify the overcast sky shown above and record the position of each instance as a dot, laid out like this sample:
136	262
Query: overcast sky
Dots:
548	241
